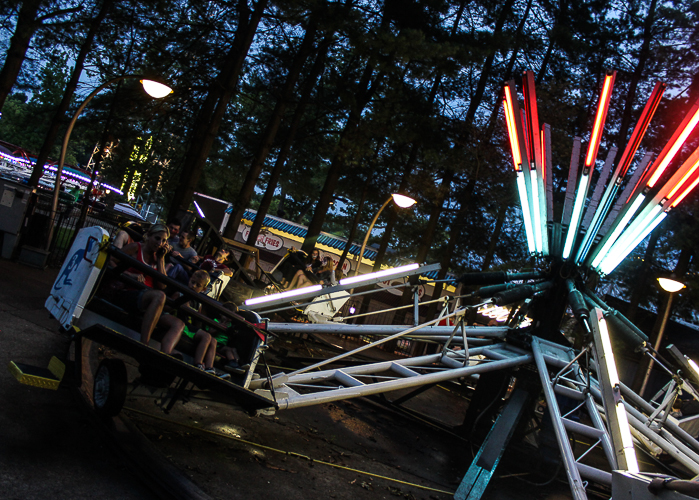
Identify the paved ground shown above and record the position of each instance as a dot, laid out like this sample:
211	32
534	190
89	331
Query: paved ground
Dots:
48	448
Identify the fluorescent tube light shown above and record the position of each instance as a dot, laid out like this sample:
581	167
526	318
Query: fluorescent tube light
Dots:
620	413
201	212
617	230
386	273
610	263
524	201
599	121
283	295
575	218
538	235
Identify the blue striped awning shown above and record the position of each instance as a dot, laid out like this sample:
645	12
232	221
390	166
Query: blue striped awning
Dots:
300	231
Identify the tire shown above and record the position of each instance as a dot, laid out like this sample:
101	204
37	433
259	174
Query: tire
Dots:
109	389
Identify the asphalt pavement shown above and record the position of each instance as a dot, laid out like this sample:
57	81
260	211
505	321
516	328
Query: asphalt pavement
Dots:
49	447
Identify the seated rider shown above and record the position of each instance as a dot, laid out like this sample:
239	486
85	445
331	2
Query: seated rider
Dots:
205	350
123	238
229	352
150	300
215	262
326	274
183	249
307	276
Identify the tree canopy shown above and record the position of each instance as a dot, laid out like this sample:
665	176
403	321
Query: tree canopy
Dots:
319	110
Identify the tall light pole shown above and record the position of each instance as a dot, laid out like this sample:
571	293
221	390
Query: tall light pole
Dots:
398	199
153	88
670	286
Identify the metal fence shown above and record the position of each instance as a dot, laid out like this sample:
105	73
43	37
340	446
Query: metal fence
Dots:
64	227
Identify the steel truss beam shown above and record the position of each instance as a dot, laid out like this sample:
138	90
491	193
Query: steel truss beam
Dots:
296	389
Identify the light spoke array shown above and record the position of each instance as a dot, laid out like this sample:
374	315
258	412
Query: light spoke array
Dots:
617	221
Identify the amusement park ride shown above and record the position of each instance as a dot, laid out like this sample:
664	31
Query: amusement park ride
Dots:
578	377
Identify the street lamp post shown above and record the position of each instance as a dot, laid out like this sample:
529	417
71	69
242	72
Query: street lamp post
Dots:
153	88
670	286
398	199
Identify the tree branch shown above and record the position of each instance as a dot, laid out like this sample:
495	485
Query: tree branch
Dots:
58	13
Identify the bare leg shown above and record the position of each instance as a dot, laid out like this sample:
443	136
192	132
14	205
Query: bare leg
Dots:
202	340
153	301
210	354
294	282
304	281
173	334
230	353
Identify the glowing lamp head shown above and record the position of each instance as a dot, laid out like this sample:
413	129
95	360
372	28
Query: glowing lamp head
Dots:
403	201
352	309
155	89
670	285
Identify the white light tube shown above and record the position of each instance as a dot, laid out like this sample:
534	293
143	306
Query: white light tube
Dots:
393	272
694	366
575	218
608	265
524	201
617	230
201	212
538	235
283	295
613	374
645	218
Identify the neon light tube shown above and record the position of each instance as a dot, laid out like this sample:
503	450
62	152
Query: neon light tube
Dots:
575	218
694	366
685	193
538	235
620	411
684	178
379	274
645	218
617	230
283	295
602	109
524	201
512	127
674	149
201	213
640	129
112	188
609	265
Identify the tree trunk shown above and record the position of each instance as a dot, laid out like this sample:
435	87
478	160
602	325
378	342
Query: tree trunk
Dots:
640	288
209	120
635	78
364	93
435	213
283	154
27	23
59	115
451	244
492	244
270	133
355	224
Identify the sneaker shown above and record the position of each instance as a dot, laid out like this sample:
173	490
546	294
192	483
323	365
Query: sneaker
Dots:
201	366
217	373
234	367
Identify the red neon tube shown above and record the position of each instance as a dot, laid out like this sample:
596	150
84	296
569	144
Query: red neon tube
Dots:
601	117
640	130
512	128
675	148
686	192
